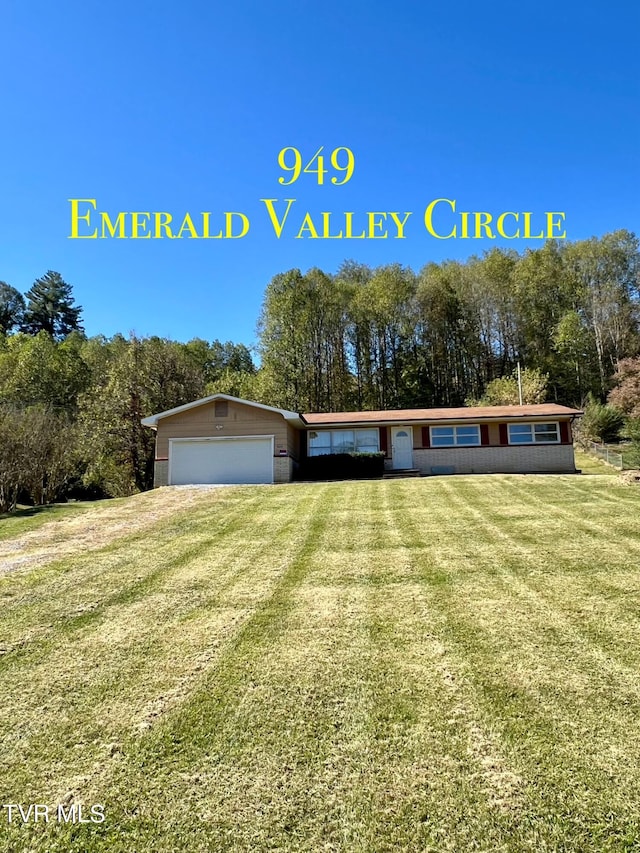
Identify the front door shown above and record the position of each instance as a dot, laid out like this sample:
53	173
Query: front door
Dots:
402	447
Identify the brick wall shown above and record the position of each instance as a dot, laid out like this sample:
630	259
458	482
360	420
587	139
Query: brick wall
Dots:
160	473
536	459
282	469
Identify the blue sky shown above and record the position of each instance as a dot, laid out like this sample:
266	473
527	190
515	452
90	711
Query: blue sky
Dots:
184	107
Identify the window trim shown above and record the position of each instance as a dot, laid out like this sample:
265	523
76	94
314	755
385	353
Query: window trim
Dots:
532	425
455	443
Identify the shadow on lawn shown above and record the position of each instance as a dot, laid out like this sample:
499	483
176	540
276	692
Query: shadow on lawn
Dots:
30	511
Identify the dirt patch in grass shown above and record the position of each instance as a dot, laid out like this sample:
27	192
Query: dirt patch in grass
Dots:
97	527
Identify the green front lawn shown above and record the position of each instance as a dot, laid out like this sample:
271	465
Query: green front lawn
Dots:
434	664
590	464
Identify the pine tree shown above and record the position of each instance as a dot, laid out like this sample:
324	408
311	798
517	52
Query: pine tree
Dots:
50	307
11	307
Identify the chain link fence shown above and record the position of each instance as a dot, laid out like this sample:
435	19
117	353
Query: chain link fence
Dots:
612	457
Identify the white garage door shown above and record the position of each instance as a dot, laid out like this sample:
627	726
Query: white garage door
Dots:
228	460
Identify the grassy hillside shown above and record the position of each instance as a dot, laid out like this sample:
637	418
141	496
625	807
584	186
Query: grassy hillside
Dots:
420	665
28	518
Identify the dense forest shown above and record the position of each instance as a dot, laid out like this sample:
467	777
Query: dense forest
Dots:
362	338
390	337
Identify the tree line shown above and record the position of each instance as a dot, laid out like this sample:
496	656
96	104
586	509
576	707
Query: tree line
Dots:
70	406
388	337
362	338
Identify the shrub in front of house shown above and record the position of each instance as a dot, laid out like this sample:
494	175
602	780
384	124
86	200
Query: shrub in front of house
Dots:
342	466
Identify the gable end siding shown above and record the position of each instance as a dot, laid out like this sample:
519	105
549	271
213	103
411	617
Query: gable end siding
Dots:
201	422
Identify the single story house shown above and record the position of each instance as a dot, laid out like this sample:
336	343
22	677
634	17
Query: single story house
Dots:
223	439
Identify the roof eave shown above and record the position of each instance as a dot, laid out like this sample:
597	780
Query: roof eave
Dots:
431	421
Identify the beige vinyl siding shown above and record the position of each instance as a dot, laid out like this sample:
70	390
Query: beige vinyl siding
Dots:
293	441
201	422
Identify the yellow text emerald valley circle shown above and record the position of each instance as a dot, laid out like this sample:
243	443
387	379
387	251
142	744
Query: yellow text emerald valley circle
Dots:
442	219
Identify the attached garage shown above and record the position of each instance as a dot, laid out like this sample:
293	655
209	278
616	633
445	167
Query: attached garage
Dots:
238	459
223	439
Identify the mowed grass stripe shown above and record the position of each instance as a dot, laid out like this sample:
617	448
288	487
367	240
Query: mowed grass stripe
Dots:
416	676
76	591
584	511
165	768
569	605
550	710
315	706
556	683
524	569
95	681
426	753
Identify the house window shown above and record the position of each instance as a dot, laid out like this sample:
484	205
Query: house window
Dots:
327	441
455	436
367	440
221	408
534	434
319	443
343	441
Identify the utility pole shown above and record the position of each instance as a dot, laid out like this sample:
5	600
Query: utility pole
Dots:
519	384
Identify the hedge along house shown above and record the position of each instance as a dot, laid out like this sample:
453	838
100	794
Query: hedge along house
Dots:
222	439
